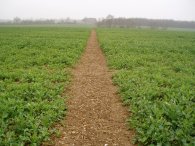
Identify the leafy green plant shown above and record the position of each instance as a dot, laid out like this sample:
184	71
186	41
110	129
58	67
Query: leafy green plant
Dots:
34	66
156	79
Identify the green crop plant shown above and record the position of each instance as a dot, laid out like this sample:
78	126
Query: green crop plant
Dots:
155	72
34	70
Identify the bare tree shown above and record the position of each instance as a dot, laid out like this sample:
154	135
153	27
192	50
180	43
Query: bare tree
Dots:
110	17
17	20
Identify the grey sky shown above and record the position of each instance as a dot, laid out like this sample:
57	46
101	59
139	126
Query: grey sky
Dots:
77	9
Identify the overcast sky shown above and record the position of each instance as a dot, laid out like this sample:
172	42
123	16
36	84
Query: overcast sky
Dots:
77	9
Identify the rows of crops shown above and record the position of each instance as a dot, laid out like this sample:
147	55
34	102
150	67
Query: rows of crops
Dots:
34	64
156	78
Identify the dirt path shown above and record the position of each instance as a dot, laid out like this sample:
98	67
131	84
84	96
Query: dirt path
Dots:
95	115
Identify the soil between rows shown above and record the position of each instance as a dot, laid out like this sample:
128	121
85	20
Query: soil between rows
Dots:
96	116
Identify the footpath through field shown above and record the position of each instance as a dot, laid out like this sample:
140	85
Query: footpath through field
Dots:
95	114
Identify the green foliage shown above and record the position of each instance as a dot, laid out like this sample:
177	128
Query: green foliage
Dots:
34	66
156	78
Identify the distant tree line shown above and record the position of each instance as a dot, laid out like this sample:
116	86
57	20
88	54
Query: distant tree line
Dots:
18	20
142	22
109	21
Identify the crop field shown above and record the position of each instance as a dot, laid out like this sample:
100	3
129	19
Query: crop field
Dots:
155	72
34	70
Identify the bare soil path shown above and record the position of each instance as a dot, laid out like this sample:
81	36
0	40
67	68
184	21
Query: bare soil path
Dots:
95	114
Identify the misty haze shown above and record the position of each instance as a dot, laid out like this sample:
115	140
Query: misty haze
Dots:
97	73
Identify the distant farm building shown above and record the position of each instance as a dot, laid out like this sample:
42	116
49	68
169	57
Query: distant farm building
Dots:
89	20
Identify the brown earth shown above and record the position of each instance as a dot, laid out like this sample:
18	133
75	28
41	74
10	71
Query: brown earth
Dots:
96	116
